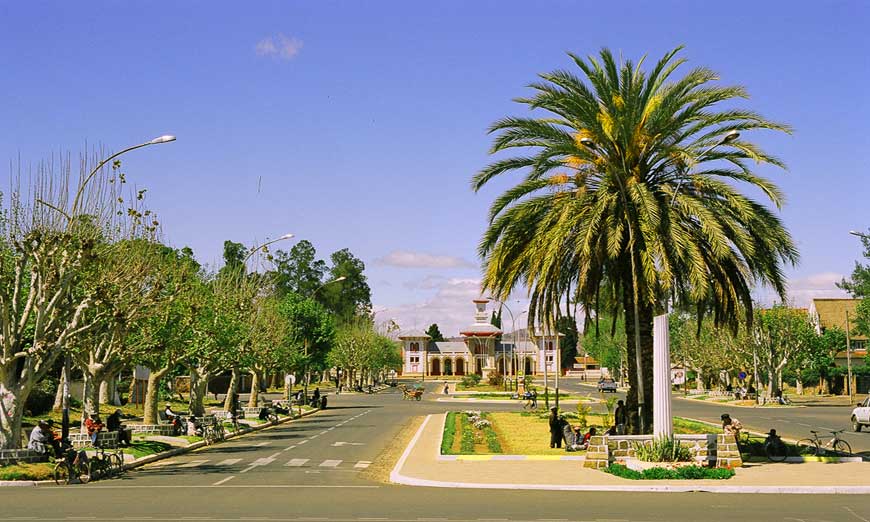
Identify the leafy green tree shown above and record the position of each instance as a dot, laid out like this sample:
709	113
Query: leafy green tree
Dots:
606	346
567	326
234	256
434	333
779	336
631	182
495	318
859	286
352	296
311	333
298	271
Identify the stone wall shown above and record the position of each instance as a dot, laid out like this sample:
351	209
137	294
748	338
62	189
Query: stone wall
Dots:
15	456
705	449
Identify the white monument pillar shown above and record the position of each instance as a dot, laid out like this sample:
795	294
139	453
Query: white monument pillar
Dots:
663	425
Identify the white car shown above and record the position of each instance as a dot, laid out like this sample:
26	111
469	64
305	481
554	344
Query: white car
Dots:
861	415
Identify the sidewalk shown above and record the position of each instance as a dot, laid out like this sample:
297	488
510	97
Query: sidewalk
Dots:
420	466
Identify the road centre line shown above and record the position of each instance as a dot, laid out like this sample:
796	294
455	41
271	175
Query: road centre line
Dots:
261	444
223	481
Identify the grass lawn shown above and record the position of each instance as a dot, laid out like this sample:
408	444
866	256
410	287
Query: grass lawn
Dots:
482	387
36	471
142	447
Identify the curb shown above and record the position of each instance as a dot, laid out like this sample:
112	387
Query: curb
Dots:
396	477
483	458
148	459
728	404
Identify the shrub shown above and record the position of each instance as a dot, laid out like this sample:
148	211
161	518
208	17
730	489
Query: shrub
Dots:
41	397
24	471
582	411
492	440
449	434
470	381
662	449
496	380
681	473
610	405
466	443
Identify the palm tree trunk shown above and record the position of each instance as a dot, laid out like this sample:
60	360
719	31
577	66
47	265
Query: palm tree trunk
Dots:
645	320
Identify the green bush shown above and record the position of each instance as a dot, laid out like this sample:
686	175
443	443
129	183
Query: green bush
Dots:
662	449
466	443
449	433
41	397
496	380
681	473
582	411
470	381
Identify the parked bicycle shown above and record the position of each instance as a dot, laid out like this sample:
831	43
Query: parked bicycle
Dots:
774	447
72	466
816	447
212	430
106	465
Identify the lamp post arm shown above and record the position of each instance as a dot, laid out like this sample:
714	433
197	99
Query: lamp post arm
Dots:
100	166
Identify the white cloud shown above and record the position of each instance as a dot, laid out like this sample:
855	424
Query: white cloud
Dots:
802	290
280	46
450	307
408	259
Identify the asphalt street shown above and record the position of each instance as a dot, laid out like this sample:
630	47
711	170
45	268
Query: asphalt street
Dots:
311	469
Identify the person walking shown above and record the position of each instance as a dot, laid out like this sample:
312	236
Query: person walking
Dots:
619	417
446	388
555	428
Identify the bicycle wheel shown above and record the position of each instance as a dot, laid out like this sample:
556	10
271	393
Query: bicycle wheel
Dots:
776	452
62	473
807	448
116	464
841	446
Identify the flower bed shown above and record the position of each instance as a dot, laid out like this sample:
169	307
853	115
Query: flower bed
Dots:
677	473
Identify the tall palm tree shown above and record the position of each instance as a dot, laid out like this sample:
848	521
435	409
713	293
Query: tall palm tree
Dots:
631	183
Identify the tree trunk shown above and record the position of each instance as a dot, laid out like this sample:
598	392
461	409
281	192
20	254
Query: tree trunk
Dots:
646	349
824	385
58	395
151	395
276	381
232	389
109	390
255	389
198	389
699	380
90	393
799	385
12	399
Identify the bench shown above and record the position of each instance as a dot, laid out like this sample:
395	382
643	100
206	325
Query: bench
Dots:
151	429
106	439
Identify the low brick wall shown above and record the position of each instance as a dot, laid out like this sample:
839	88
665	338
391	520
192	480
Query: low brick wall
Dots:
106	439
15	456
705	449
151	429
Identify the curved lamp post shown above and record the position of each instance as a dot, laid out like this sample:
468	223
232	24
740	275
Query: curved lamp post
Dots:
514	332
66	361
264	245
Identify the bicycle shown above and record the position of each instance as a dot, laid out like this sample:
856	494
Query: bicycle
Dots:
103	465
71	465
775	449
213	431
815	446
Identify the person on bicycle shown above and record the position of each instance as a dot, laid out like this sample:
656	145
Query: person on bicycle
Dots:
731	426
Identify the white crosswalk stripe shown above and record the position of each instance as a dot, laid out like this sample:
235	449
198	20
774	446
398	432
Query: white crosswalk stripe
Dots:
296	462
362	464
330	463
228	462
193	463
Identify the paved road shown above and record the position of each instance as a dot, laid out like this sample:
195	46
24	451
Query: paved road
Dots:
311	470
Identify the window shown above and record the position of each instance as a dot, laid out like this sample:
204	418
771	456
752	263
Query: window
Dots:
549	359
549	345
415	359
415	347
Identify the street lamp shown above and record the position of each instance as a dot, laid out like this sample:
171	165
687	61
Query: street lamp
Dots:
514	331
264	245
66	359
305	344
848	333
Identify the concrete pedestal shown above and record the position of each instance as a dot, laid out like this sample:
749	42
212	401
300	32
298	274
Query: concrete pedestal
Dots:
663	425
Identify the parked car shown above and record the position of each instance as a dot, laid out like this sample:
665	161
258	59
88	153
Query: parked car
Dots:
607	385
861	415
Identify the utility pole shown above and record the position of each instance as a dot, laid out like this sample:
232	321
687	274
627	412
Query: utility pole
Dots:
558	360
849	358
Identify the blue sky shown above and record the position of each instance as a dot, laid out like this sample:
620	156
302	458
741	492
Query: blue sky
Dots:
362	122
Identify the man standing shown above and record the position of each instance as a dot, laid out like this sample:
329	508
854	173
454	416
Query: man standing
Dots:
619	418
555	428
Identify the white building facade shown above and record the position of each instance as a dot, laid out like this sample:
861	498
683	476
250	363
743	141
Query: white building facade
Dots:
480	351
